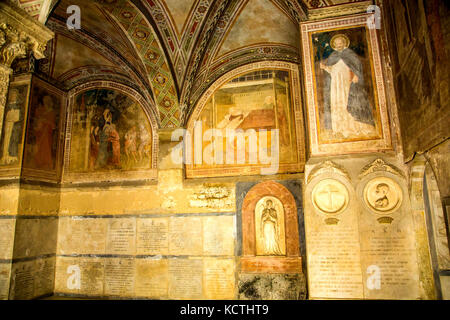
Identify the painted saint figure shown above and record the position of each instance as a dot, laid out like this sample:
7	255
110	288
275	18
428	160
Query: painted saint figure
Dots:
11	131
269	229
345	98
43	130
94	146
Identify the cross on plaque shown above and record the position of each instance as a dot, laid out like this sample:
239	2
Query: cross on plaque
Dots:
329	190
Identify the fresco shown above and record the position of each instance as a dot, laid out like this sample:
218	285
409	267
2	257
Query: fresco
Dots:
420	51
345	87
110	131
345	97
41	147
258	101
13	126
260	22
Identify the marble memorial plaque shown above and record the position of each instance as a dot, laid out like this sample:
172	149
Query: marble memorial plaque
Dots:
6	238
219	279
152	278
152	236
185	279
119	277
5	269
82	236
121	238
218	236
82	276
185	236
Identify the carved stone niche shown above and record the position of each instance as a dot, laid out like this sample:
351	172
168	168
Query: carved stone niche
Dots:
271	264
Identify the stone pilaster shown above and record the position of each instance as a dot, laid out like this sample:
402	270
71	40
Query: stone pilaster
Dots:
19	35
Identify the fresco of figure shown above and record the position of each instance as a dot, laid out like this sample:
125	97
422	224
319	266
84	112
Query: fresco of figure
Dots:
345	96
44	128
269	229
11	130
110	131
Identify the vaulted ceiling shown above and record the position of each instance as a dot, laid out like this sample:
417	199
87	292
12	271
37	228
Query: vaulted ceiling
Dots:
171	51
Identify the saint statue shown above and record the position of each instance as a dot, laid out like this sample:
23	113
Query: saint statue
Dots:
345	97
269	229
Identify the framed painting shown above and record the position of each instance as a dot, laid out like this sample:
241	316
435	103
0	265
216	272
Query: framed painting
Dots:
111	135
345	91
43	145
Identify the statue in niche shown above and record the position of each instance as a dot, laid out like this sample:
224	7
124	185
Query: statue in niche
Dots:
270	227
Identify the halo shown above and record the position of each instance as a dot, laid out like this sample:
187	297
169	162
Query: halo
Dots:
340	35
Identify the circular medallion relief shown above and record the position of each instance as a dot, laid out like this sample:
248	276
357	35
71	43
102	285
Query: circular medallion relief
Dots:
330	196
383	195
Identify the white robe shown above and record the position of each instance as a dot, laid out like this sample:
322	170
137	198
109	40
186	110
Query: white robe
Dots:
341	120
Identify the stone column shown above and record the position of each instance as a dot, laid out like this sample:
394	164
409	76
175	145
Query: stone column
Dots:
20	35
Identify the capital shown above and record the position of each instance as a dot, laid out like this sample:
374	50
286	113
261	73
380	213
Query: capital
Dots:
20	34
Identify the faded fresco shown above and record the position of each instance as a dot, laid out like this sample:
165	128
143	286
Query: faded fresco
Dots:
345	95
420	52
41	147
13	126
110	131
257	100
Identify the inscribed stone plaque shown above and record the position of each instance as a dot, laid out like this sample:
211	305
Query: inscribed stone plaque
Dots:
82	236
388	243
219	278
6	238
334	263
152	278
82	276
333	248
119	277
218	235
22	281
121	238
185	279
45	276
152	236
5	269
185	236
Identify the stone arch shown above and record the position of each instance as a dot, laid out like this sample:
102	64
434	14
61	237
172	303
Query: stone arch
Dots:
426	202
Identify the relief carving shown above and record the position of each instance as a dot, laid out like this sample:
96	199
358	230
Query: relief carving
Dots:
383	195
330	196
211	197
269	223
327	167
380	165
